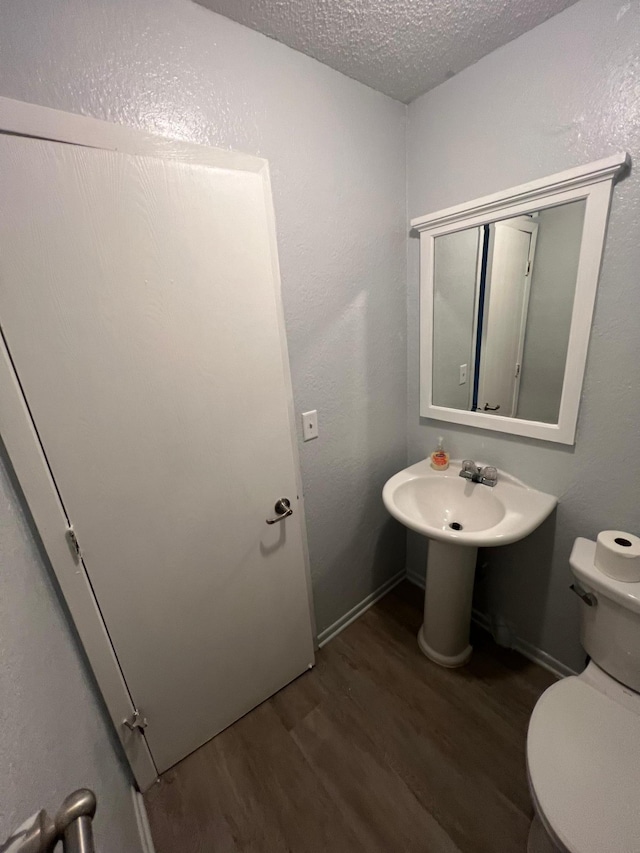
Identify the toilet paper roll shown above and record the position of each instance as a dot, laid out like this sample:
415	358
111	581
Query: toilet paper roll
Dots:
618	555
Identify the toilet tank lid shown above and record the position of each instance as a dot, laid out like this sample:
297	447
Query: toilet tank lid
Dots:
583	566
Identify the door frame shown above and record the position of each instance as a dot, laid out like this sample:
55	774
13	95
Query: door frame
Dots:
20	436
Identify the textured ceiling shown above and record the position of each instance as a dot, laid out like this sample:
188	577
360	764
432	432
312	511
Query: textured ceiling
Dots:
400	47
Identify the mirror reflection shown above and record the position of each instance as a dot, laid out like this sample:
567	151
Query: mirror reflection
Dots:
503	299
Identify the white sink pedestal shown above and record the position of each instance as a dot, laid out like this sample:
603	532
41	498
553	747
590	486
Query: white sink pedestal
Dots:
459	516
444	634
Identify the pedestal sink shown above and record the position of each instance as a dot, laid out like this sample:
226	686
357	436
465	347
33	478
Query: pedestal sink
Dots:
458	517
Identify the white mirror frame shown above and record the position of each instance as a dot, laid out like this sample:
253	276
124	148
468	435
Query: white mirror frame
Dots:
593	183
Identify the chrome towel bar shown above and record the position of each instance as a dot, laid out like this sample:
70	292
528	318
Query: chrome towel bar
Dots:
72	826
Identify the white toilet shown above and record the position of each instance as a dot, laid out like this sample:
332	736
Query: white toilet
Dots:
583	745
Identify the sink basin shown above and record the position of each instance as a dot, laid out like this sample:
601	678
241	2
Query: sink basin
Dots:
459	516
444	506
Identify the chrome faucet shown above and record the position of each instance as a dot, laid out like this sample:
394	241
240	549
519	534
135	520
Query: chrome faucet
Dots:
488	475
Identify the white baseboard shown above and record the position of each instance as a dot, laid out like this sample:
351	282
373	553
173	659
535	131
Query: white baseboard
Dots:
543	659
144	830
333	630
415	578
526	649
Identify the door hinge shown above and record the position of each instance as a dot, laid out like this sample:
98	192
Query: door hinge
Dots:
137	722
528	272
73	542
517	370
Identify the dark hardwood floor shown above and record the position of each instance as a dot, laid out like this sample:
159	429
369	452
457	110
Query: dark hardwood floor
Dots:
376	750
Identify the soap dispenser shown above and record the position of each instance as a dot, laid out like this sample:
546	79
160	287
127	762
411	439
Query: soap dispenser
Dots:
440	457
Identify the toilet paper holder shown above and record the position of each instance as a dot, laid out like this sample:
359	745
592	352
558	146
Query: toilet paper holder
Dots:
588	597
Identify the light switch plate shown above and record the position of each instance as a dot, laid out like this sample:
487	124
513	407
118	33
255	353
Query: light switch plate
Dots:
309	425
463	374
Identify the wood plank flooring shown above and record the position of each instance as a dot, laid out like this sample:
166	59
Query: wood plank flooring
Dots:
376	750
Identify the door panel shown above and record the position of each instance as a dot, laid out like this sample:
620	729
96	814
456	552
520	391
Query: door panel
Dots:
503	330
138	302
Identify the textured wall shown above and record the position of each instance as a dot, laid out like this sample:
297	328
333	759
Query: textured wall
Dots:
563	94
53	735
337	158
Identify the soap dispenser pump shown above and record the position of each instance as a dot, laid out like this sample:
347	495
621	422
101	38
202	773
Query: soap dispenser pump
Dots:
440	457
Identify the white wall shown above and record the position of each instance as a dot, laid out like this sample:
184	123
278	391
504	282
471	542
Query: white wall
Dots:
337	155
564	94
553	286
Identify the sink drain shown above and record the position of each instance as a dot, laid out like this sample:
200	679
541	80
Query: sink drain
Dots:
455	525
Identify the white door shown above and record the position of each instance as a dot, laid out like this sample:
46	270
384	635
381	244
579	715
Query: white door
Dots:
139	306
509	267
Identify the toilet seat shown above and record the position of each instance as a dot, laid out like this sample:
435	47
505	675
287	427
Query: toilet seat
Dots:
583	757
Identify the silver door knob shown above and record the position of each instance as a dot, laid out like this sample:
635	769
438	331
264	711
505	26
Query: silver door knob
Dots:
283	510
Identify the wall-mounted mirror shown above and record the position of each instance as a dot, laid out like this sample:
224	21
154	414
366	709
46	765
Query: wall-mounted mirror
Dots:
502	302
508	286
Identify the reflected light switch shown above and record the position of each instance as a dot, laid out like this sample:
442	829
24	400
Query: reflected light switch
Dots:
309	425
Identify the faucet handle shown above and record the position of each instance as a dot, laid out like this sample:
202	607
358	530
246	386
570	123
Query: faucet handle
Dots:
470	466
489	475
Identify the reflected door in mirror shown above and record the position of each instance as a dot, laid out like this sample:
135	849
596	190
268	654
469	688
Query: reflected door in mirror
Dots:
502	316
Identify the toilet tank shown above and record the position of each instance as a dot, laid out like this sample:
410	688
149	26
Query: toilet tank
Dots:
610	627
